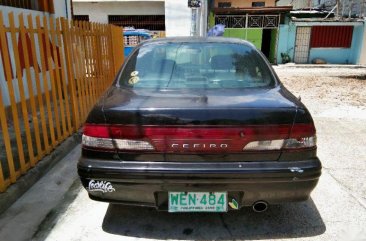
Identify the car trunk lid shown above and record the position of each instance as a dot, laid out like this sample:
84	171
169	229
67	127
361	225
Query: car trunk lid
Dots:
229	125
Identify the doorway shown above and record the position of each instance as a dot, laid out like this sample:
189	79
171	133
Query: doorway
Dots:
269	44
266	42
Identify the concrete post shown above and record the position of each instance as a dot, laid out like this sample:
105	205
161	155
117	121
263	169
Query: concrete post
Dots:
195	22
203	18
363	48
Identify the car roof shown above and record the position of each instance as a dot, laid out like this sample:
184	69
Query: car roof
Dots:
199	40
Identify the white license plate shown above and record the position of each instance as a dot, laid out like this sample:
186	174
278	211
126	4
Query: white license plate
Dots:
197	202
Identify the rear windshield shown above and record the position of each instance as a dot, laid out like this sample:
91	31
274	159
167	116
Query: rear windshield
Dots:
196	66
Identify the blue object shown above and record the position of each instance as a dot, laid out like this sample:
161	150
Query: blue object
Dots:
133	38
217	30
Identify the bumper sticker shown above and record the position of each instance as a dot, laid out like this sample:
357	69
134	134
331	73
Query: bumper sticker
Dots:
100	186
133	80
234	204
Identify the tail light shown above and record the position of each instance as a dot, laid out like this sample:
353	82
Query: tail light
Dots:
107	138
198	139
301	136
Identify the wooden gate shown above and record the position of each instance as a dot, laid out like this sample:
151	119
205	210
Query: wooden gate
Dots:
52	73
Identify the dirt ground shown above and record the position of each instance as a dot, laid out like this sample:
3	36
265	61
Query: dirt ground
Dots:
330	87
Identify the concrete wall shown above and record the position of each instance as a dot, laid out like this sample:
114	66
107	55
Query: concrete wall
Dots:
287	37
62	8
297	3
286	41
345	6
341	55
244	4
99	11
177	18
363	49
252	35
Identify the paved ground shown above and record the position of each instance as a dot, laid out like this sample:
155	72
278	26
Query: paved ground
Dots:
57	208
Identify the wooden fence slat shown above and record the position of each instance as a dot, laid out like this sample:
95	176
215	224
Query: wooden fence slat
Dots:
102	52
23	167
88	77
70	71
75	55
84	68
30	89
4	125
100	78
58	81
104	57
45	83
77	65
94	68
94	56
63	76
112	69
82	92
52	80
117	48
38	86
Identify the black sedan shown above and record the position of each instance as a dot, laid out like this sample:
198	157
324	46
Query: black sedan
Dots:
198	125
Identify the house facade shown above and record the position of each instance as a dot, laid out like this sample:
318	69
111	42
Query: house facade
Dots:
323	32
363	49
146	14
333	42
255	21
355	8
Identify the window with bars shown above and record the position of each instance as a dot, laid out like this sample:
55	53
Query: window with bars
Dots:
38	5
253	21
81	17
150	22
331	36
258	4
224	4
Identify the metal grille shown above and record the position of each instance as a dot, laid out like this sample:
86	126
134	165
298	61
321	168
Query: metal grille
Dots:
231	21
331	36
271	21
132	40
81	18
254	21
302	45
224	4
150	22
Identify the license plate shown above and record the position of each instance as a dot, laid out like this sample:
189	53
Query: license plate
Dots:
197	202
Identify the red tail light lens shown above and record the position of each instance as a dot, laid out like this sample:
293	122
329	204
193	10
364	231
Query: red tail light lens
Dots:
105	137
302	136
94	130
197	139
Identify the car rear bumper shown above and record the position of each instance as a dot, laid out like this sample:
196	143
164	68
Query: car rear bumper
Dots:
148	183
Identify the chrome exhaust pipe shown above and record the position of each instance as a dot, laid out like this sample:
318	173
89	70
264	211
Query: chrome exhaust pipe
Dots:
260	206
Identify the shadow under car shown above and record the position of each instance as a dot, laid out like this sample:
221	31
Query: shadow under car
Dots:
292	220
